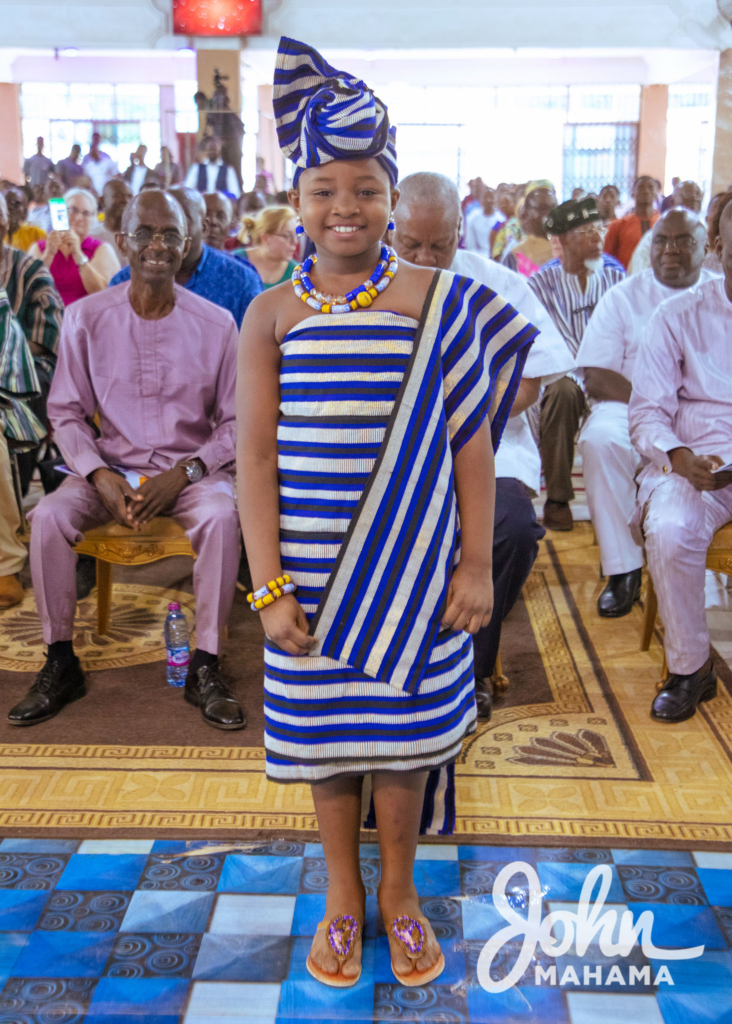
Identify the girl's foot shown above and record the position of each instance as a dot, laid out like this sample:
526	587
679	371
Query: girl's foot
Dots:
321	955
393	904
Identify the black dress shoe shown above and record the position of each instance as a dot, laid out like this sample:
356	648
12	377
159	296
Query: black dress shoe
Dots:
484	698
678	698
56	685
620	594
207	689
86	576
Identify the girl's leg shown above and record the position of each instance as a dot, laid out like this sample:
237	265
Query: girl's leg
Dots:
398	798
338	807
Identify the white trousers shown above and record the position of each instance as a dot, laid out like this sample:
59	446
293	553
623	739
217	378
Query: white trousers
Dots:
679	523
609	465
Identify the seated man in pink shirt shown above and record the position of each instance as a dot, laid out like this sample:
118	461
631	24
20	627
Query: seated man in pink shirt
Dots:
158	364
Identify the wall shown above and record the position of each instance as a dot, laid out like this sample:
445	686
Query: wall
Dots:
397	24
11	143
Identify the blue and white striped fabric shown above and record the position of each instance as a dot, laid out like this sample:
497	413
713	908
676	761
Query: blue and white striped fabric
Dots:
569	307
347	383
323	114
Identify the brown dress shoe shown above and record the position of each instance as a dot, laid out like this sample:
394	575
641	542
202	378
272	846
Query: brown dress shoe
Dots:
558	516
11	592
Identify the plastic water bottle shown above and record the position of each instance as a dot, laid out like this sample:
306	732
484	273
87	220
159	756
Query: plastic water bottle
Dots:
178	644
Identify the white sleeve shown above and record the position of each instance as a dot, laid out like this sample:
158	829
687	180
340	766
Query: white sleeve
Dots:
192	176
233	182
603	342
654	403
549	357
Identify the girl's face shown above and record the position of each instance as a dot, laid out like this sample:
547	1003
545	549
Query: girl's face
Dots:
345	205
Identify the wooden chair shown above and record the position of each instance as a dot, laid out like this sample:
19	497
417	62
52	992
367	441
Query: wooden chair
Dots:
719	559
119	545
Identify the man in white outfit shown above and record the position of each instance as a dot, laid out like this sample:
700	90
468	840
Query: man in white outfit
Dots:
681	422
427	220
607	355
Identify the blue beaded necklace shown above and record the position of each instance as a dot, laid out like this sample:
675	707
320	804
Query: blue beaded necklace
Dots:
359	298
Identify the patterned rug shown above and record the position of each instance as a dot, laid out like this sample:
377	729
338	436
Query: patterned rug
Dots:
570	756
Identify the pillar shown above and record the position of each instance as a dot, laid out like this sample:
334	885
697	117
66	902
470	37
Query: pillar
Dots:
722	168
652	131
267	145
11	136
228	63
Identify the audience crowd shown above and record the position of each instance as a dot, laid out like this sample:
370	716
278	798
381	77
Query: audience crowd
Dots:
118	352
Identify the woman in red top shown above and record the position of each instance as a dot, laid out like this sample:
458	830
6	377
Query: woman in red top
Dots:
79	265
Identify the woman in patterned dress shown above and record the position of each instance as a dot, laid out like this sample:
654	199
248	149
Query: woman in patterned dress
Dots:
362	436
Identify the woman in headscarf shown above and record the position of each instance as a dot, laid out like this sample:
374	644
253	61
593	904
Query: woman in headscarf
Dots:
529	252
371	394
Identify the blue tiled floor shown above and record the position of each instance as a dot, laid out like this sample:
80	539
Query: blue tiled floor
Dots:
170	932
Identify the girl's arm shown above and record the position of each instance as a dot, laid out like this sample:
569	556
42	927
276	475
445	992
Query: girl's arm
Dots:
470	594
257	413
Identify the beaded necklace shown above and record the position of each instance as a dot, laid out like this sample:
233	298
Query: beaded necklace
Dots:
359	298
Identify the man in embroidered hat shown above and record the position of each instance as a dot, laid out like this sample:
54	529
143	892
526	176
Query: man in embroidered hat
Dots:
367	423
570	289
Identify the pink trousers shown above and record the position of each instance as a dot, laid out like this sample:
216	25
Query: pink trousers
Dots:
205	510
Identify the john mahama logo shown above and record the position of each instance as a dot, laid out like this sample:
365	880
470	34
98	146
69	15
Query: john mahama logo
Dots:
558	932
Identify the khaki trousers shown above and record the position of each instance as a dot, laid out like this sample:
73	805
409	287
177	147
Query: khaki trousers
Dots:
12	551
562	408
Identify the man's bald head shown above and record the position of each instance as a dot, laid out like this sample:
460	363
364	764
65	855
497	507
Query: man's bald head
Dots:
429	188
153	202
427	219
194	208
677	248
689	195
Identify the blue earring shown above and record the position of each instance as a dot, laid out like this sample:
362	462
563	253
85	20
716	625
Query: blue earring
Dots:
299	230
391	226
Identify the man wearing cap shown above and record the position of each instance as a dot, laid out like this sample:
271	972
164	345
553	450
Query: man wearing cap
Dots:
569	290
607	356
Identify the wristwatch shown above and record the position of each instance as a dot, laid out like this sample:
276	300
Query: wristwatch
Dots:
83	261
194	472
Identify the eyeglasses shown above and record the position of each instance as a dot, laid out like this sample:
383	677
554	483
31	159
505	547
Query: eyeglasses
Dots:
287	237
81	213
170	239
684	244
590	229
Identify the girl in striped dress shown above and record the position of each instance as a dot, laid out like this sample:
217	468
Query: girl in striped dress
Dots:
370	398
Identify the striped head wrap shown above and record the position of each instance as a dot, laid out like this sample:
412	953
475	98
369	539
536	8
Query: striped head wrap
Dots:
532	186
323	114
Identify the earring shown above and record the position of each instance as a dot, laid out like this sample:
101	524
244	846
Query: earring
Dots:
391	226
299	230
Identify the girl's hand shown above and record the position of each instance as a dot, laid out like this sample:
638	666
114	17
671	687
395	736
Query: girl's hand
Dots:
469	598
286	625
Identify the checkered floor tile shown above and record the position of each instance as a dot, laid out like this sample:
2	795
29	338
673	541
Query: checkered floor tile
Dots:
126	932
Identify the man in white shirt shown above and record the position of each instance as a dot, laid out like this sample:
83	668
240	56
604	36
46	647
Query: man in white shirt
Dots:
427	219
480	223
211	174
680	417
98	166
607	355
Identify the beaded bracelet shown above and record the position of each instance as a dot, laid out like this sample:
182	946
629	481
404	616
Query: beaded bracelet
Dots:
272	596
270	592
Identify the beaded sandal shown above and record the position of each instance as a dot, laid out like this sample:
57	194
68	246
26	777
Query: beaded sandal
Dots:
409	933
341	935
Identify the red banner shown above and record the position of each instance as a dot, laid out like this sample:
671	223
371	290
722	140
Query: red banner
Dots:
217	17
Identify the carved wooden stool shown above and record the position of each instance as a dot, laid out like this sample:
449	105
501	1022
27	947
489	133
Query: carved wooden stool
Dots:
119	545
719	559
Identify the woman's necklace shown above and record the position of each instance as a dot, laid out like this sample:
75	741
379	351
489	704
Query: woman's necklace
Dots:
359	298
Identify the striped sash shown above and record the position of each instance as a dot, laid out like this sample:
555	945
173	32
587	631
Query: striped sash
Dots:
381	609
